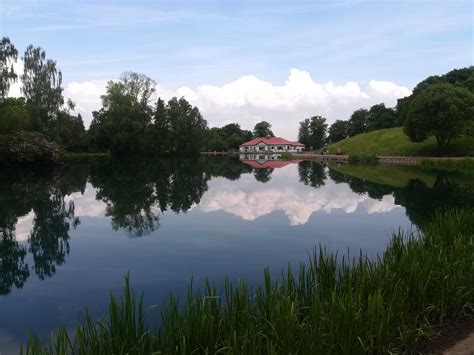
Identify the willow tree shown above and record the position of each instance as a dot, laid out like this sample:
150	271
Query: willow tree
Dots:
8	55
42	82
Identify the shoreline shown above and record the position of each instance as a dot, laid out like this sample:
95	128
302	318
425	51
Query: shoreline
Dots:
345	158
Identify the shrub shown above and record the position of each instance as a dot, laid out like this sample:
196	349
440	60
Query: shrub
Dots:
28	147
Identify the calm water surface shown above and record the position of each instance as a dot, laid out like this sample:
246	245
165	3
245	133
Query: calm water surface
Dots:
69	236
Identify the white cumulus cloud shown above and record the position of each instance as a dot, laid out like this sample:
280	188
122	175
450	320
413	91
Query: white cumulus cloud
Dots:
250	200
86	204
249	100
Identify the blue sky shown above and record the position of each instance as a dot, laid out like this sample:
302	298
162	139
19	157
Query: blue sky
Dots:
188	44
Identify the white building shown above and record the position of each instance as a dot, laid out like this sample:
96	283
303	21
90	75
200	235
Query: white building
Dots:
270	145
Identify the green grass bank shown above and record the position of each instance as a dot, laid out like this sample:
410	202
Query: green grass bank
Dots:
392	141
331	305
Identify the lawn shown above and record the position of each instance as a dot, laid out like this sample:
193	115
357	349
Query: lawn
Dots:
392	141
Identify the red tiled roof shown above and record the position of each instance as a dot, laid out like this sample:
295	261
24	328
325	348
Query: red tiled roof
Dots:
269	163
272	141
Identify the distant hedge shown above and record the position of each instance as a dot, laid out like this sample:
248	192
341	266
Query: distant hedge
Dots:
28	147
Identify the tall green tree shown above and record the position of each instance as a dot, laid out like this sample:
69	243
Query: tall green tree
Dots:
358	122
231	128
442	110
15	116
318	128
263	129
161	128
338	131
42	82
312	132
228	137
304	132
380	117
122	122
463	77
70	132
187	127
8	55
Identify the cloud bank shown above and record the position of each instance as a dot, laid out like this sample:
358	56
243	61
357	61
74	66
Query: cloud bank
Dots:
250	200
249	99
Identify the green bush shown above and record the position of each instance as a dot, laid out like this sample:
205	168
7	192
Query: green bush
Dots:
28	147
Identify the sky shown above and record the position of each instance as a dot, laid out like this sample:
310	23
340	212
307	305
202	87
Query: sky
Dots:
247	61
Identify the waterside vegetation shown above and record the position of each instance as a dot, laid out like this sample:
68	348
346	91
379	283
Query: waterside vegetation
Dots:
392	141
133	120
332	305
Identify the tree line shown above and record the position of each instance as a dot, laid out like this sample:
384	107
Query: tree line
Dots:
133	121
42	108
440	107
130	121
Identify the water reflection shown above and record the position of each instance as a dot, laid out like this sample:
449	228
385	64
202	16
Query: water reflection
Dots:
422	195
38	209
312	173
37	200
13	269
298	201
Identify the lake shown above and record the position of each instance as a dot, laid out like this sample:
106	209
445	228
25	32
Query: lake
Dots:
70	234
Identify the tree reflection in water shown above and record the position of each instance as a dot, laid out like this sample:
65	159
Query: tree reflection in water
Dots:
263	174
419	200
312	173
137	192
13	269
42	193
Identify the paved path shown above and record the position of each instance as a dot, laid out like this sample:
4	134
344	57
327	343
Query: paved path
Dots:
462	347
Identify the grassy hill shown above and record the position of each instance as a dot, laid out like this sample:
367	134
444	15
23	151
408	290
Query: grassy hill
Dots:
392	141
399	175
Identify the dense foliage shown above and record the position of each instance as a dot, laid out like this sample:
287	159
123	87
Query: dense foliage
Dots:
459	77
8	55
313	131
226	138
28	147
338	131
440	110
129	124
440	106
331	306
131	120
362	121
263	129
42	109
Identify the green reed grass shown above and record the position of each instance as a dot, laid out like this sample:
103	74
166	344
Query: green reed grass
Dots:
331	305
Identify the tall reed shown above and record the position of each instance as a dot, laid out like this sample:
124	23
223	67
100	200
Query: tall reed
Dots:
331	305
